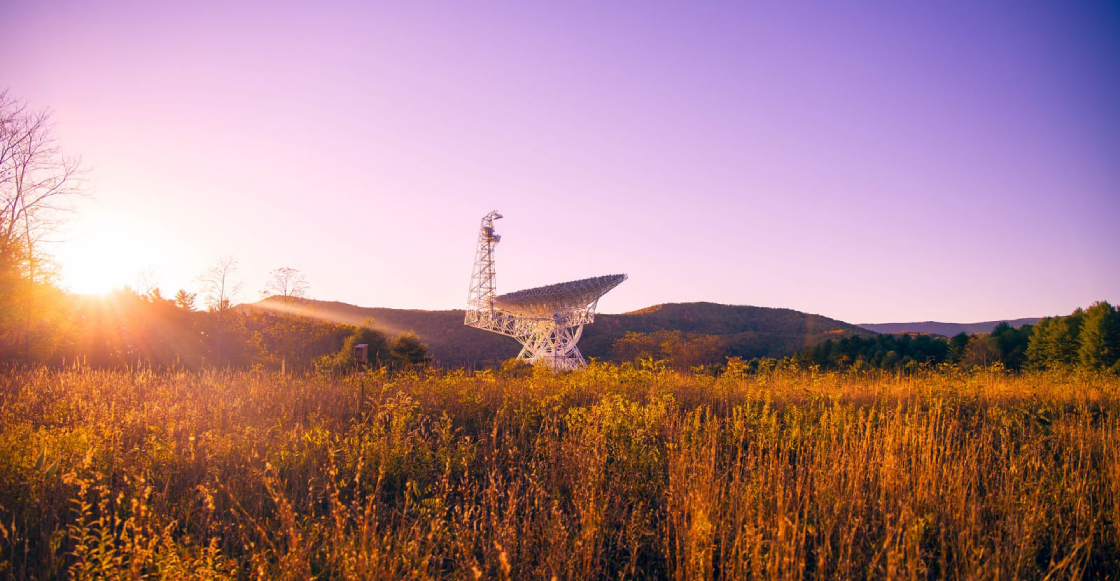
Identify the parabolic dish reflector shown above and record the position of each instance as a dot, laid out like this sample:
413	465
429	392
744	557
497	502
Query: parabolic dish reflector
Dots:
547	320
546	301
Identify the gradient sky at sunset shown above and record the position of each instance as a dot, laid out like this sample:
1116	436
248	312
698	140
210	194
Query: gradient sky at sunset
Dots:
873	161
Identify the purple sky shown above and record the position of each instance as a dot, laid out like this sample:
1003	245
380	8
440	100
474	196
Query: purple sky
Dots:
885	161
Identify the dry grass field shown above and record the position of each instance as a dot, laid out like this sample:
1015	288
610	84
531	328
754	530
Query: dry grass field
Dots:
610	473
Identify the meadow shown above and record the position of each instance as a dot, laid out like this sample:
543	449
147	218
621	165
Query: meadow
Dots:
631	472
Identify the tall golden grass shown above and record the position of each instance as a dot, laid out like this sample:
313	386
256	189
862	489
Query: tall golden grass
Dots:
608	473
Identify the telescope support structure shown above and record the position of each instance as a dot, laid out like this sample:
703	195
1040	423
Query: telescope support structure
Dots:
548	329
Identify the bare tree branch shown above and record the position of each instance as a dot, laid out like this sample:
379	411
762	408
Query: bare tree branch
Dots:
287	283
219	286
38	183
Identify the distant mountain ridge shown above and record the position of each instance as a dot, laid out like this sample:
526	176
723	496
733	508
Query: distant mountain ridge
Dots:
946	329
746	330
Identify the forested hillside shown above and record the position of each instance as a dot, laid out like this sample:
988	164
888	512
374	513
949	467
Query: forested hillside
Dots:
731	330
744	331
449	341
945	329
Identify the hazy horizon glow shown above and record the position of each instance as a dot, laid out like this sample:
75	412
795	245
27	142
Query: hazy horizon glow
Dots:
868	162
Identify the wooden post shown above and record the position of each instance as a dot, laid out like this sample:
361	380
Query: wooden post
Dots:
361	356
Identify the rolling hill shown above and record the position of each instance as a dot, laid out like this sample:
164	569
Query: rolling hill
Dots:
946	329
747	331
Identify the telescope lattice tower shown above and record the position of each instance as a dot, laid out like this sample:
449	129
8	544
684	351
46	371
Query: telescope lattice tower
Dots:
547	321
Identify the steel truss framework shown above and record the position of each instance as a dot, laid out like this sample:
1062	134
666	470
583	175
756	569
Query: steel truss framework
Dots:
547	321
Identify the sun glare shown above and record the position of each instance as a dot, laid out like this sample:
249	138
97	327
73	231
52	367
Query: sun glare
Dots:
105	256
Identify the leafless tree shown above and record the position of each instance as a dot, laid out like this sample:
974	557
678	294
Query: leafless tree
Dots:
147	281
219	286
38	183
287	283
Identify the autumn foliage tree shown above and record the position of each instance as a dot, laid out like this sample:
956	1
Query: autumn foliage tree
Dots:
408	351
679	350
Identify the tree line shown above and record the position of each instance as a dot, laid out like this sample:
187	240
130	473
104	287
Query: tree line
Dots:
126	329
1087	339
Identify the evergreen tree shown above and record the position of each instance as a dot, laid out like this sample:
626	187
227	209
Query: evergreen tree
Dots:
1066	339
957	346
1038	348
1100	336
184	300
1012	344
1055	342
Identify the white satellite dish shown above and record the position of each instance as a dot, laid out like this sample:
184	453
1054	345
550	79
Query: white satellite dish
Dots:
547	320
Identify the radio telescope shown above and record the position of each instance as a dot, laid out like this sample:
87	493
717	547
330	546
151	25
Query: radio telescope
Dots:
547	320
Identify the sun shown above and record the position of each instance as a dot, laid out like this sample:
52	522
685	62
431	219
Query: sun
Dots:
105	255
